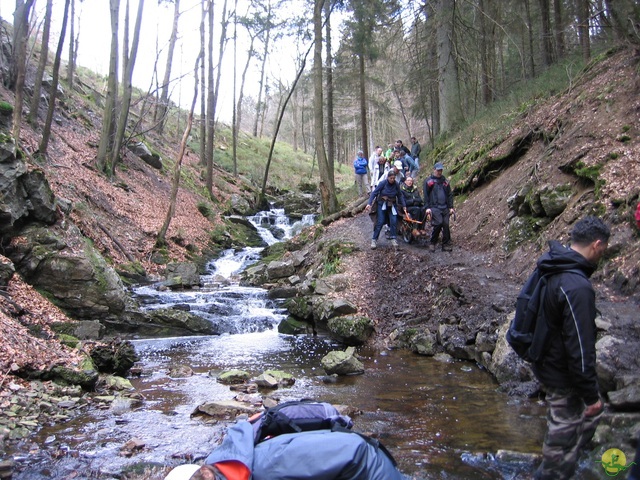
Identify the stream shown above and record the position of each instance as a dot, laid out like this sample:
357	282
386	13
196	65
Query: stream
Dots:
439	419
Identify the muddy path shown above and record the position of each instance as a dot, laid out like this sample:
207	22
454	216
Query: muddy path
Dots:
409	286
403	286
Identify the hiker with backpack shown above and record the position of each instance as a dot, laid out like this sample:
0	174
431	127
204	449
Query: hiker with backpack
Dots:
561	316
438	200
389	199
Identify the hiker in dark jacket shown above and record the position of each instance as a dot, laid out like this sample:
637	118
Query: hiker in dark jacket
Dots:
568	366
389	199
412	198
438	200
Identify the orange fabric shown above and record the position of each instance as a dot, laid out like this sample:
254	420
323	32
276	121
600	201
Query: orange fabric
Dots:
234	470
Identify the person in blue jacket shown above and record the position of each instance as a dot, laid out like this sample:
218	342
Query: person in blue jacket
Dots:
389	199
360	165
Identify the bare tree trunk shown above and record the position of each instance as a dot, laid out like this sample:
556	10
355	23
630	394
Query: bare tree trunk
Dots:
72	54
234	120
532	65
164	96
448	87
363	106
583	29
331	140
203	106
558	28
259	105
19	60
210	98
327	188
243	79
46	131
223	41
277	127
32	117
175	184
108	117
546	46
128	90
485	82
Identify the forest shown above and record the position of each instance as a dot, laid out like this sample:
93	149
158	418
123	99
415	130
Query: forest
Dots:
379	69
531	105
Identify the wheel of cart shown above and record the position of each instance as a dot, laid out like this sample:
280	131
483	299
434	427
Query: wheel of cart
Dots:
411	229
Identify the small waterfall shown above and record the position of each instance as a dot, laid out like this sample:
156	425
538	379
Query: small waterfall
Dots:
274	226
232	308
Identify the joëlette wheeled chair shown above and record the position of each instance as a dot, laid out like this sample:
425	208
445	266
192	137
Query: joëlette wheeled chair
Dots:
415	229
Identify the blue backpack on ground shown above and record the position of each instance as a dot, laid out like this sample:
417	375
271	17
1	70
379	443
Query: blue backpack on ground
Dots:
320	447
297	416
528	333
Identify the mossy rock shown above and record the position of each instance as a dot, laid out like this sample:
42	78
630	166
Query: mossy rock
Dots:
352	329
293	326
233	377
68	340
67	376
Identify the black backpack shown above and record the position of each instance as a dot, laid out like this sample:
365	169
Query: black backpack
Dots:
297	416
528	333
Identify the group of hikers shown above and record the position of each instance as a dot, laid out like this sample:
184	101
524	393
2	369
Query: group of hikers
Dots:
389	180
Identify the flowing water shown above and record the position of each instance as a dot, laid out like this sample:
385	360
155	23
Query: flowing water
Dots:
440	420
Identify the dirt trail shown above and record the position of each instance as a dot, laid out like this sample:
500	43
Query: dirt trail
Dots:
397	287
411	286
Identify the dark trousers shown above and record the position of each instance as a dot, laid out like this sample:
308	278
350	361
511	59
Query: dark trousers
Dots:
383	215
440	222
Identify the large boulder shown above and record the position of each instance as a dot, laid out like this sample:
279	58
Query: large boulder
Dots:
505	364
141	150
342	363
327	308
351	329
6	271
174	322
182	275
25	195
67	266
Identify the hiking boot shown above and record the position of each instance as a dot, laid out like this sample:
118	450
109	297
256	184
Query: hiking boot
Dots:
432	247
447	248
374	244
394	243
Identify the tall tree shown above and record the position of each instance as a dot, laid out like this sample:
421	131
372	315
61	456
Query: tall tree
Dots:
71	64
583	29
210	99
234	121
327	189
546	45
203	84
32	117
127	88
18	65
448	86
164	95
46	131
111	98
367	15
266	43
282	109
331	140
558	28
161	239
